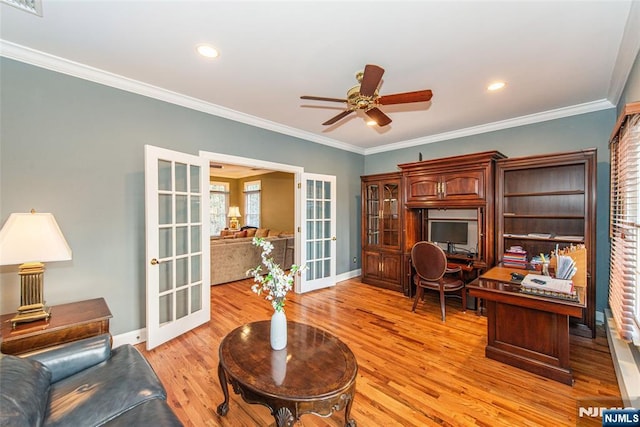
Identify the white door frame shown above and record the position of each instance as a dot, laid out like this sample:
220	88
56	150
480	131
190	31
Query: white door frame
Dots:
298	171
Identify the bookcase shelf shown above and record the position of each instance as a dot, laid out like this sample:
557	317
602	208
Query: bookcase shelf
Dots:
555	195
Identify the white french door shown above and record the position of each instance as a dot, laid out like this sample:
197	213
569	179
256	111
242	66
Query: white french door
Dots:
318	230
177	243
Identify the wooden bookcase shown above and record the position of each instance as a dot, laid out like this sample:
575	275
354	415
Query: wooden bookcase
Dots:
382	230
549	201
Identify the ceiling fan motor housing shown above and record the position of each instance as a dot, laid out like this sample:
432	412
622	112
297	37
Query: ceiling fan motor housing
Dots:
358	101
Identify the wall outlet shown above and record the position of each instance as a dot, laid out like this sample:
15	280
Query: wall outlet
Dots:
355	260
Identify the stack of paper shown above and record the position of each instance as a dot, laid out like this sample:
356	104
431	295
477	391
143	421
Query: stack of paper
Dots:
566	268
547	283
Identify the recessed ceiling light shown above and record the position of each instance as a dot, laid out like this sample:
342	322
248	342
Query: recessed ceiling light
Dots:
496	86
207	51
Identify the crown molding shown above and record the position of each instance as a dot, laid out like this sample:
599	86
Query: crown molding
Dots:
627	53
61	65
544	116
85	72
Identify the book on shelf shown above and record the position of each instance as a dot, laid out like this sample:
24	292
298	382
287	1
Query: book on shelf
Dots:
570	238
541	235
515	256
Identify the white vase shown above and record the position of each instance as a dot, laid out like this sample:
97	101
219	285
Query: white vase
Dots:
278	330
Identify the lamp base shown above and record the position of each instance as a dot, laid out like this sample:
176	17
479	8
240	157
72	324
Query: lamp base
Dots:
30	313
32	306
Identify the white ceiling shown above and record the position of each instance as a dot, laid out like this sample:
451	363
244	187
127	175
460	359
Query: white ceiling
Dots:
559	58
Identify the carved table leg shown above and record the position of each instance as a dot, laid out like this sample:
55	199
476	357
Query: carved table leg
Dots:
223	408
347	411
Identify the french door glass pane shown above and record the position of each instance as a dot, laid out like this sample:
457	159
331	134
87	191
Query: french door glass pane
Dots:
165	241
195	238
164	175
182	210
182	240
196	300
194	179
181	177
165	210
166	276
182	272
195	208
182	303
165	312
196	268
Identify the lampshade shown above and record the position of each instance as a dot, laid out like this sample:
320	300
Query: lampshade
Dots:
234	212
32	237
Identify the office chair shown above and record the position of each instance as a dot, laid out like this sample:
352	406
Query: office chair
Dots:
430	264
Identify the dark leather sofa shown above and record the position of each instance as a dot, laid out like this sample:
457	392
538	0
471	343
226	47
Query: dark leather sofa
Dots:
83	383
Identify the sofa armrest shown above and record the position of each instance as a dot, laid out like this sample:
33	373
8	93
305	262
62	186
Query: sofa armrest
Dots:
67	359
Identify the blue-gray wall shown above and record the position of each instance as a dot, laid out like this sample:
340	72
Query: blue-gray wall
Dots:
75	148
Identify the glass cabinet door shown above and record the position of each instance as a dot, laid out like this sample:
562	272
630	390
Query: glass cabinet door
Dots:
390	215
382	215
372	214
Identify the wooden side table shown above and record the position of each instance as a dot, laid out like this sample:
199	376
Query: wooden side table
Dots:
68	322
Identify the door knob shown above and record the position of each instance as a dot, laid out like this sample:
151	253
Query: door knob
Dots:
155	262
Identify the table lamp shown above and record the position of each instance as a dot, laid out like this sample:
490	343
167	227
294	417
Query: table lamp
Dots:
234	213
29	239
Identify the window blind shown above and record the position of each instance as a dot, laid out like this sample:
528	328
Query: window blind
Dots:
624	228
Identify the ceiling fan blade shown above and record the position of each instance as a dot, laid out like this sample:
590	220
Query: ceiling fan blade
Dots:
378	116
320	98
370	79
331	121
403	98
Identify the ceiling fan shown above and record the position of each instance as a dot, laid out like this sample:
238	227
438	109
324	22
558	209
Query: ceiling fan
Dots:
364	96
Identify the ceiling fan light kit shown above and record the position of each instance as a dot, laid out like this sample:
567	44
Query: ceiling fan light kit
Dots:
365	97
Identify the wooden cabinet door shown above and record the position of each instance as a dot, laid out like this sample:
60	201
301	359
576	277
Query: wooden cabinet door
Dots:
371	264
467	186
390	267
463	185
423	188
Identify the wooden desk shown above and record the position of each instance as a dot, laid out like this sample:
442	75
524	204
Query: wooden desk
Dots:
314	374
528	331
68	322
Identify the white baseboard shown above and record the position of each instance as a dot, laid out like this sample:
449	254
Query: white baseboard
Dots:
133	338
348	275
627	370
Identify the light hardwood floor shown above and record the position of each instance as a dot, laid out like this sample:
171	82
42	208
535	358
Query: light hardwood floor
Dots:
414	370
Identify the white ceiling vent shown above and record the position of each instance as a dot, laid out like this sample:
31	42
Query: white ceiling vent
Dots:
31	6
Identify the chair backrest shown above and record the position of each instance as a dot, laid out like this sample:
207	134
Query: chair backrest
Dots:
429	260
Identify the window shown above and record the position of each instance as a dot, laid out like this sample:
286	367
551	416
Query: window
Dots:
624	229
252	203
218	206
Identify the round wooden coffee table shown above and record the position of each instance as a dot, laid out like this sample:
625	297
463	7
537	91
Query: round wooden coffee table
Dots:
314	374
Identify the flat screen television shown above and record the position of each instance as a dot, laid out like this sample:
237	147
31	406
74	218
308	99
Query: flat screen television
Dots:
456	232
